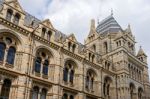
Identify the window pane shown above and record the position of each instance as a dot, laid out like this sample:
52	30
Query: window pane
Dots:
38	65
43	94
2	51
65	76
9	15
11	55
45	70
71	76
35	93
5	89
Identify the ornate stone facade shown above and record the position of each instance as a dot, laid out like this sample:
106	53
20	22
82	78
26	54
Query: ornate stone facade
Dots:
39	62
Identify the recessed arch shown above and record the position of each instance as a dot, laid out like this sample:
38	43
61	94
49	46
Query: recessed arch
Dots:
92	70
71	61
12	34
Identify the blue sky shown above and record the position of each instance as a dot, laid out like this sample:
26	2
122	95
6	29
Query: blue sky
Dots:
73	16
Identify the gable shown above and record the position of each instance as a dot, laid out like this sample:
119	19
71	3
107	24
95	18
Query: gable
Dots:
15	4
72	37
48	23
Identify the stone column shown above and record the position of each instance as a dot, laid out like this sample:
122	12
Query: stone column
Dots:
5	56
1	84
81	96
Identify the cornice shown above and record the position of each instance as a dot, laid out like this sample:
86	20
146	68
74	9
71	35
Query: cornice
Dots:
13	26
46	42
50	44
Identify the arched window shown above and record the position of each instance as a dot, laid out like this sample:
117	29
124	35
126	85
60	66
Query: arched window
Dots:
45	67
5	89
105	47
89	56
132	87
69	46
140	91
94	48
35	92
43	94
90	80
16	18
93	57
11	55
69	71
87	82
2	51
38	64
9	14
65	96
71	76
71	97
43	32
65	74
106	86
73	48
49	35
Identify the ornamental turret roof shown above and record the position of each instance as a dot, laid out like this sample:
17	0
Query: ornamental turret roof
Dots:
108	25
141	52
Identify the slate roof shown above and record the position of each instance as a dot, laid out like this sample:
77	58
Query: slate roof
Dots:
108	25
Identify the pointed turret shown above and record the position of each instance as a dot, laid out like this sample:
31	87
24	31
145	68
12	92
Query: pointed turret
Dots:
92	28
141	55
92	34
128	30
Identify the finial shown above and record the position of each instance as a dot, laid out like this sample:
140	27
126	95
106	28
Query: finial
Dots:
112	12
140	47
92	24
129	26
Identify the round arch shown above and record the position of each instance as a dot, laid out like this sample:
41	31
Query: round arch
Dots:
72	61
12	34
45	49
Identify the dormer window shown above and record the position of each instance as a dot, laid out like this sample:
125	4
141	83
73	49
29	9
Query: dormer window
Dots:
105	47
9	14
49	35
69	46
73	48
43	32
94	48
16	18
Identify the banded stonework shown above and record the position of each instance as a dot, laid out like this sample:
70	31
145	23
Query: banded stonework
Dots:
38	61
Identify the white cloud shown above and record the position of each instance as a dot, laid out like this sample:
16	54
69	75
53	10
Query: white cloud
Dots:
74	15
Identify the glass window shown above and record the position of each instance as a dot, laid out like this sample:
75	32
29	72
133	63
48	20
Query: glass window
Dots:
43	94
38	65
71	76
2	51
9	14
16	18
5	89
45	67
65	96
49	35
71	97
11	55
35	92
43	32
65	76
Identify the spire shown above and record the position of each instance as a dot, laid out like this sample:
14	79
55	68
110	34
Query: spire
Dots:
92	28
92	24
141	52
112	12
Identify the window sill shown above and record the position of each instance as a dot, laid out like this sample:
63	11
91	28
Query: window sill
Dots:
9	65
37	74
45	76
1	62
